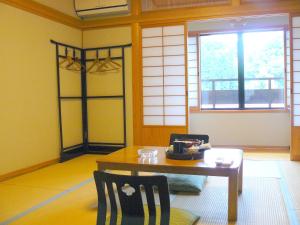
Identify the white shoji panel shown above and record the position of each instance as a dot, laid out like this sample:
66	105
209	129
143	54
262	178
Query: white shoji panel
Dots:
173	40
152	111
153	101
288	74
175	100
164	75
296	54
193	71
174	70
153	91
152	42
174	50
153	120
153	71
152	32
153	81
296	70
296	32
296	76
175	110
176	80
174	60
155	51
153	61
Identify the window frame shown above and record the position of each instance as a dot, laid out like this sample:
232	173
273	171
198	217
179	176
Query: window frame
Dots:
241	81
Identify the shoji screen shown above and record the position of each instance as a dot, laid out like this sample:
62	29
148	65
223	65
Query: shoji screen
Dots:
288	69
164	98
193	72
296	70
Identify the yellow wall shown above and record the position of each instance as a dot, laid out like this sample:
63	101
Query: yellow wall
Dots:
29	131
105	116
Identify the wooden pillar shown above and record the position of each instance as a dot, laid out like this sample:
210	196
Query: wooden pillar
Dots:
136	82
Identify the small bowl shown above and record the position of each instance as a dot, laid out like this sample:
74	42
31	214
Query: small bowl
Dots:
147	153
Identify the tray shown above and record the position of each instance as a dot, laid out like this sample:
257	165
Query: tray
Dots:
185	156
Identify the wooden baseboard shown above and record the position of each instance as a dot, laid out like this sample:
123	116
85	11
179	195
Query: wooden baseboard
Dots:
258	148
27	169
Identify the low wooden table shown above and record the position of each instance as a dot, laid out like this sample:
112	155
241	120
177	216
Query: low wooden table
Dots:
128	159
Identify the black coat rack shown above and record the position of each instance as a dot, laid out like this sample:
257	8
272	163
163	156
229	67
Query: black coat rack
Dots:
86	147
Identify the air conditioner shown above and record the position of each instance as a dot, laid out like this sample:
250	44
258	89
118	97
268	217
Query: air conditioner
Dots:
89	8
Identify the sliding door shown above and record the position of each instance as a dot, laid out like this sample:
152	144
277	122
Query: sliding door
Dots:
295	62
163	103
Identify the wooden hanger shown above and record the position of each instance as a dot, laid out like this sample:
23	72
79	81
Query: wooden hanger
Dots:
95	63
108	65
72	63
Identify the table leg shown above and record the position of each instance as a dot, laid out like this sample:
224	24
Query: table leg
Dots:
241	178
232	196
100	168
134	173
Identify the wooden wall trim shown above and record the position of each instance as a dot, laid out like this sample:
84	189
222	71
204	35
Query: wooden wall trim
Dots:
28	169
166	16
199	13
44	11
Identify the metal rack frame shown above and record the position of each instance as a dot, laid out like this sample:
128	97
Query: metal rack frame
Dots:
86	147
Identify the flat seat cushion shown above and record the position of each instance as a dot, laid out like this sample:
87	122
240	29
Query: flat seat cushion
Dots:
192	184
177	217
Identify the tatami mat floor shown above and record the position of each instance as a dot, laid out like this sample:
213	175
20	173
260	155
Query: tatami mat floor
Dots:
40	197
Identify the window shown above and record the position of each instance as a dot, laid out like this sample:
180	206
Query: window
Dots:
243	70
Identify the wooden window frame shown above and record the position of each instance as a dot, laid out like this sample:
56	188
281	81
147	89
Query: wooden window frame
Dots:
198	109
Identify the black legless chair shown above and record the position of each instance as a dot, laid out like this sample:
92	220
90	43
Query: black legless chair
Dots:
128	189
201	137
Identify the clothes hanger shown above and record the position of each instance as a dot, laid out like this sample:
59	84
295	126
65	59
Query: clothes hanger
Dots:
68	59
95	63
108	65
73	63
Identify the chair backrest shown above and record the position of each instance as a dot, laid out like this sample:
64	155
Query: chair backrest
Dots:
201	137
130	197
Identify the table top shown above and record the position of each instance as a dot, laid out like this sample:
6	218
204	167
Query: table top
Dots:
128	158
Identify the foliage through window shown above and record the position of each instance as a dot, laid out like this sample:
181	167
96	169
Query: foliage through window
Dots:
244	70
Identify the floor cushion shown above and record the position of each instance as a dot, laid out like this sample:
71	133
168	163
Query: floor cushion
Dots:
192	184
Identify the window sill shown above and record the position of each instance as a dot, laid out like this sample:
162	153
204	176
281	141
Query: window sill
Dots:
240	111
